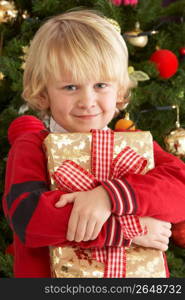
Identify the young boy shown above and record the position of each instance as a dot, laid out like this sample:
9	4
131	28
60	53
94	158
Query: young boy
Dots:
76	72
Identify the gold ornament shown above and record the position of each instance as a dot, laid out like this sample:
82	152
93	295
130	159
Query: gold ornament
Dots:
136	76
175	140
24	57
7	11
115	24
25	14
1	76
135	40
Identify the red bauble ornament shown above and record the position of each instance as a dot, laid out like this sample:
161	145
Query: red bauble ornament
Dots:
22	125
182	51
10	249
117	2
178	234
166	62
124	2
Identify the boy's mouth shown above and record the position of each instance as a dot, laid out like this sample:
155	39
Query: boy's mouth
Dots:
87	116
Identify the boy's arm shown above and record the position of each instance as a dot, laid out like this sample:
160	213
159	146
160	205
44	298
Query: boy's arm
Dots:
157	236
159	193
29	204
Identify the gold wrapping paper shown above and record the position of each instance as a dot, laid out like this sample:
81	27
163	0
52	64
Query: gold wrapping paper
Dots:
74	262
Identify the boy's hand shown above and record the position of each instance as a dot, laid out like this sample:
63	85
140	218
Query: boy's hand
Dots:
90	211
157	236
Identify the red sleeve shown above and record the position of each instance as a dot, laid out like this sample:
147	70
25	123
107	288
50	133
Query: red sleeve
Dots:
159	193
29	204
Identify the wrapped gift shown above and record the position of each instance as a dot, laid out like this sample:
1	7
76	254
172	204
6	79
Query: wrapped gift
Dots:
78	150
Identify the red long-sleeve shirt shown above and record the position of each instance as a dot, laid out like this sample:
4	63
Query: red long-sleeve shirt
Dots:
29	204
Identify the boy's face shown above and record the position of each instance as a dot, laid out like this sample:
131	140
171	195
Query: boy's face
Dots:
82	107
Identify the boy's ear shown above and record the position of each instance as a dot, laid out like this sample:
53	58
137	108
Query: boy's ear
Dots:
121	105
44	100
123	100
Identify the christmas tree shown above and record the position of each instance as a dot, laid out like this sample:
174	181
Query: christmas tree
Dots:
155	35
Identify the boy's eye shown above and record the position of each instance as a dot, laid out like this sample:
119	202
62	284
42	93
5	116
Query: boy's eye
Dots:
101	85
70	87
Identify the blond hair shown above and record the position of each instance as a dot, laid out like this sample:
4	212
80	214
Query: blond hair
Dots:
80	43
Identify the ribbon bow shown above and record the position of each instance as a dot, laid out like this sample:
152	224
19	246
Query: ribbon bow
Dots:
71	177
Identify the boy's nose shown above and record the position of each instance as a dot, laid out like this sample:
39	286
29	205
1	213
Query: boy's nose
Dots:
87	98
